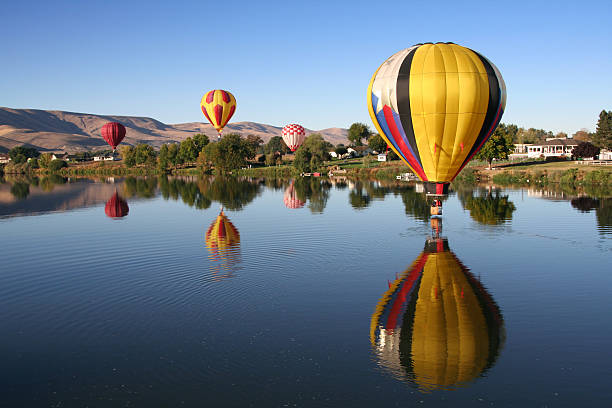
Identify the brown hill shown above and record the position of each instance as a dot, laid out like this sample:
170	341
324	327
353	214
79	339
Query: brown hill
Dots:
59	131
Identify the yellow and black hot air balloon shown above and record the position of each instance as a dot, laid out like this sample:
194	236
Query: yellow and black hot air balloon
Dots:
436	326
218	106
436	105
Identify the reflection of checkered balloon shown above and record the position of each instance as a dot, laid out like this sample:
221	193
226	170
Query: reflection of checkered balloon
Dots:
291	199
293	136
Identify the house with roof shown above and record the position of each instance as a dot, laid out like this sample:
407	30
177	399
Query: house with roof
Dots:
4	158
359	151
552	148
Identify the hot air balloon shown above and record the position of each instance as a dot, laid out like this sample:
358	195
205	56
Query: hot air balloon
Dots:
218	106
223	242
291	199
113	133
116	207
293	136
436	105
222	235
436	326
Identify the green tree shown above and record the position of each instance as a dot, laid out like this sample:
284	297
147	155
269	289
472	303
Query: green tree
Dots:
188	151
20	190
498	147
144	154
603	133
313	152
341	150
200	141
44	160
230	153
583	135
173	155
55	165
489	208
276	144
21	154
357	132
128	154
256	143
377	143
585	149
162	158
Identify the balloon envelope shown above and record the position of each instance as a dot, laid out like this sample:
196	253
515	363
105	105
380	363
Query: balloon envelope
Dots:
218	106
222	235
291	199
116	207
293	136
436	105
436	326
113	133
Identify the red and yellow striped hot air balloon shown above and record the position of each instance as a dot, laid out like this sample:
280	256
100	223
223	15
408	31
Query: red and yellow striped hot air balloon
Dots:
218	106
222	235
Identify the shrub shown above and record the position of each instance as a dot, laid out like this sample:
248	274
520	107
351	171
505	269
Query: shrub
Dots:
56	164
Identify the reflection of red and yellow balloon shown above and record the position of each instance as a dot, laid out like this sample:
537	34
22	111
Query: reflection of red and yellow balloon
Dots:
116	207
291	199
222	235
218	106
436	326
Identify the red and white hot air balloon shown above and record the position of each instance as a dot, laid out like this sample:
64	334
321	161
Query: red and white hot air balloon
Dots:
291	199
293	136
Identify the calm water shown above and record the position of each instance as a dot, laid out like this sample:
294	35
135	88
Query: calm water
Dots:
140	293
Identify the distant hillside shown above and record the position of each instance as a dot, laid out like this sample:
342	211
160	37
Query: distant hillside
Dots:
60	131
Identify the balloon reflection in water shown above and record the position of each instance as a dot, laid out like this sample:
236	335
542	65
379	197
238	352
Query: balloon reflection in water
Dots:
291	199
436	326
116	207
223	242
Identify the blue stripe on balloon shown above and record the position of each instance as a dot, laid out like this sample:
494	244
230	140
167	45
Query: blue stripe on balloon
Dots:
398	122
383	123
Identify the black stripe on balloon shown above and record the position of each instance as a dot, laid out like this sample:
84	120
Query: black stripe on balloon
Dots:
405	346
402	91
494	98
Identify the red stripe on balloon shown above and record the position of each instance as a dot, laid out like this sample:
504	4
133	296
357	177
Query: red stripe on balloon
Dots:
225	96
219	114
205	113
398	304
229	115
402	145
210	96
221	230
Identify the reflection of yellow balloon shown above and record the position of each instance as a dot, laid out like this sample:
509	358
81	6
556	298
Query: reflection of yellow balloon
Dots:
222	234
437	326
223	242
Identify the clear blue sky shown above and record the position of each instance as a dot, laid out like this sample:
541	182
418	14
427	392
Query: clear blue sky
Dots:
306	62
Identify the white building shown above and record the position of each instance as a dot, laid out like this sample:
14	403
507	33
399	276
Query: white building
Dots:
552	148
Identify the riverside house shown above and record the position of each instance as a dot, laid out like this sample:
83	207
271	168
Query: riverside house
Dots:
552	148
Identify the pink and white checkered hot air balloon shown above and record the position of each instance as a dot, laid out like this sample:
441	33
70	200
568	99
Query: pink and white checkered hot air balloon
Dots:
291	199
293	136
